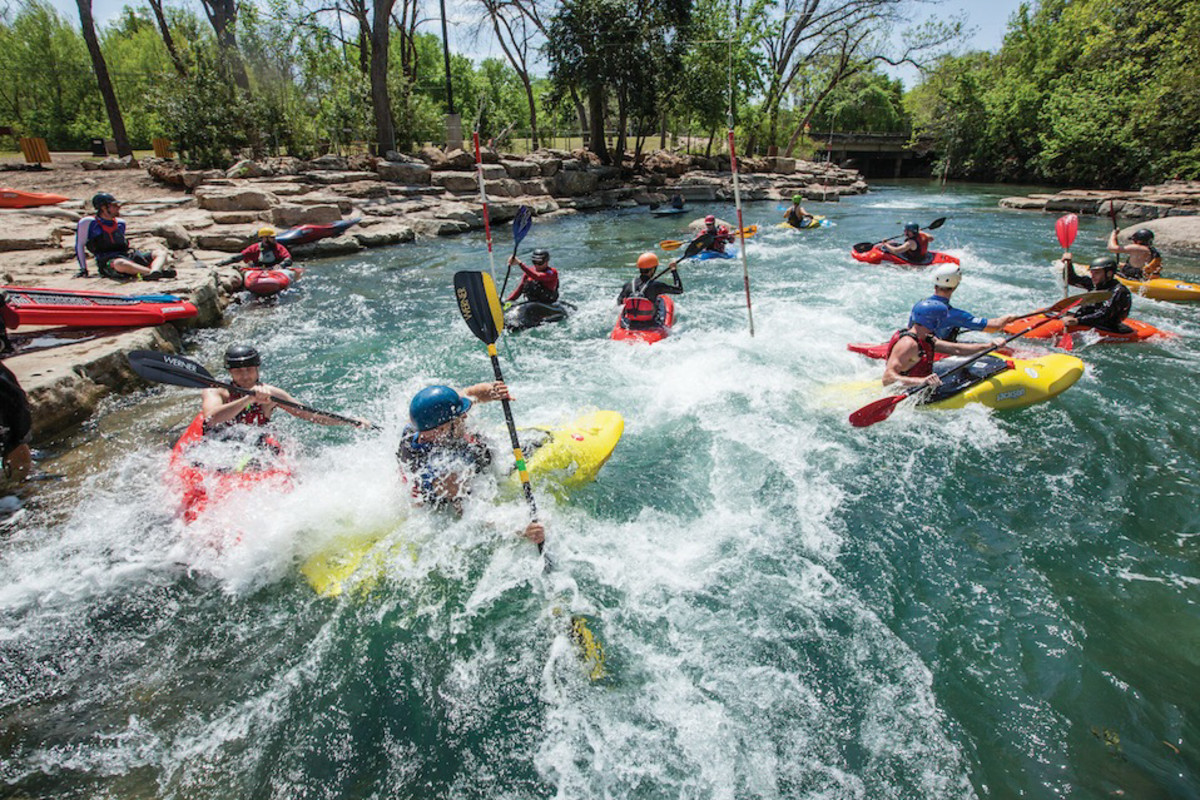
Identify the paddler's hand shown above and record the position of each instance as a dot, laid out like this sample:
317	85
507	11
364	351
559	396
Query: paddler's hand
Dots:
932	380
18	463
512	260
1069	321
262	395
673	264
535	532
998	340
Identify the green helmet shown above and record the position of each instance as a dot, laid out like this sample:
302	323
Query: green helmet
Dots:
797	199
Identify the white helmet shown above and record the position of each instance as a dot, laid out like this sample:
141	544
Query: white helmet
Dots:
947	276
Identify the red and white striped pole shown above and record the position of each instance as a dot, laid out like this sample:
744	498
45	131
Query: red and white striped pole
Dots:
487	225
737	199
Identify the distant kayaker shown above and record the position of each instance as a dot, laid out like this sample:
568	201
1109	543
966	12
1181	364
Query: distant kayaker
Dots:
1108	315
677	201
16	425
104	237
539	284
911	351
223	408
1145	262
440	456
720	235
640	308
266	252
945	280
915	247
795	215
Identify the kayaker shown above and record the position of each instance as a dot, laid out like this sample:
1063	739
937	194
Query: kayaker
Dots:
1145	262
945	280
915	247
911	351
265	253
104	237
720	236
795	215
16	425
440	456
539	284
640	308
223	408
677	201
1110	314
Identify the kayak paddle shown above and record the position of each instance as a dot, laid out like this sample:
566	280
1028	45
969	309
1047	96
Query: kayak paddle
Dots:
675	244
179	371
480	309
521	224
866	247
1065	228
882	408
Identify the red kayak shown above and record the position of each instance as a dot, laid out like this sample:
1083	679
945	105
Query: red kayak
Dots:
268	282
877	255
622	333
202	484
81	309
1053	328
303	234
15	198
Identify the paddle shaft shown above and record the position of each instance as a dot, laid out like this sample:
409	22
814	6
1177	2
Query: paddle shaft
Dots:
518	456
864	247
279	401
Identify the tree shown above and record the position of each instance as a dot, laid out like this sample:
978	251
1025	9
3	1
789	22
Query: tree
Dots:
515	24
168	40
223	15
100	68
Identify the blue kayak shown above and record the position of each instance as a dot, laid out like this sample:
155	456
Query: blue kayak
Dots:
710	254
666	211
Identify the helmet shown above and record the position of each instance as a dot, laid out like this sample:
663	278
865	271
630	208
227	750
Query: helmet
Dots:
241	355
263	233
541	256
102	199
1143	236
947	276
797	199
710	220
930	313
1104	262
436	405
647	261
912	227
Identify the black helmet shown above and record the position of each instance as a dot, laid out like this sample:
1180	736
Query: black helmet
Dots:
241	355
1143	236
912	227
102	199
1104	262
541	256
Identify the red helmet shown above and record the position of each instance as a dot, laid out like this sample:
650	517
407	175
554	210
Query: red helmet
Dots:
710	220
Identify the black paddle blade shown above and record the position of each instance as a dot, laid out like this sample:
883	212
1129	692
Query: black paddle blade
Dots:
863	247
171	369
696	245
937	223
479	304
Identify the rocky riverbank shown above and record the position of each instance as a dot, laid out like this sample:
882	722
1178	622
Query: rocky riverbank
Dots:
203	216
1171	210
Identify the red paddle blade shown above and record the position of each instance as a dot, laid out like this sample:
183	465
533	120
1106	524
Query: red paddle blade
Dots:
1066	342
1066	227
876	412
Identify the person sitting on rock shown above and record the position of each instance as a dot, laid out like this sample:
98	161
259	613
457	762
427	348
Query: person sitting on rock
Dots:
1145	262
720	235
266	253
795	215
539	284
104	237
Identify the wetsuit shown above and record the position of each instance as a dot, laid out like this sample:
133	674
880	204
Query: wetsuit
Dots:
924	367
538	287
16	423
425	462
796	219
955	322
257	256
105	239
1149	272
1109	315
636	314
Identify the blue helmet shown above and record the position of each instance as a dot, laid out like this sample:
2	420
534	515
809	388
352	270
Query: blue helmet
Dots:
930	313
436	405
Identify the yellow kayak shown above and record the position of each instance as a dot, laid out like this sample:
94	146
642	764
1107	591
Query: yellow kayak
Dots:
570	456
817	221
1164	289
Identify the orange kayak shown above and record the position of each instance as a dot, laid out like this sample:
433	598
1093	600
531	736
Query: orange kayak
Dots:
15	198
1053	328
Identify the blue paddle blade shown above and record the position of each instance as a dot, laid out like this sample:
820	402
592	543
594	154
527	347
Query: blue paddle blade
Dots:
522	222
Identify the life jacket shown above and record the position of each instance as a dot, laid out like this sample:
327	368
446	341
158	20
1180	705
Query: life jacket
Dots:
638	310
923	367
107	236
252	414
539	292
268	256
922	251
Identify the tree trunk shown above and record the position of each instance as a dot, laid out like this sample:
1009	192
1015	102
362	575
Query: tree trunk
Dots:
622	123
533	128
581	113
385	125
168	40
596	111
223	16
115	120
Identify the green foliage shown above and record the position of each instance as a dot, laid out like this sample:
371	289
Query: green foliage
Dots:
868	101
1082	92
205	116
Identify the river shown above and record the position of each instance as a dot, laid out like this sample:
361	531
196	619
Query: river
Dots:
944	605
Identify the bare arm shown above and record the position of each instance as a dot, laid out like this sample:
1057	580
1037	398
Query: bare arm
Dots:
903	357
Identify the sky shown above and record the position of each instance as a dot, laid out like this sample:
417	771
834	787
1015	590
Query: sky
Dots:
988	20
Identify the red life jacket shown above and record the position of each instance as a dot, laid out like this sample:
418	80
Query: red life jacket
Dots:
638	310
922	368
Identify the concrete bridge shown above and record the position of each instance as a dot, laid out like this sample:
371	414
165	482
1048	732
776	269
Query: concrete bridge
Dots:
878	155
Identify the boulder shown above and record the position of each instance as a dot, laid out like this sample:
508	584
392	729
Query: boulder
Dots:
168	172
668	164
521	169
456	159
536	186
246	168
336	246
289	215
329	161
1078	205
438	227
455	181
493	172
236	217
404	172
176	237
506	187
1136	209
240	198
1180	234
224	241
24	235
781	165
384	234
330	177
550	167
573	183
369	189
432	156
194	177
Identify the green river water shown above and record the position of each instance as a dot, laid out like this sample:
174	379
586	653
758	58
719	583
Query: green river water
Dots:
944	605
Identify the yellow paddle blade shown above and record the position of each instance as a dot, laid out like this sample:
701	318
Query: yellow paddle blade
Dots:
479	304
590	650
670	244
749	231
